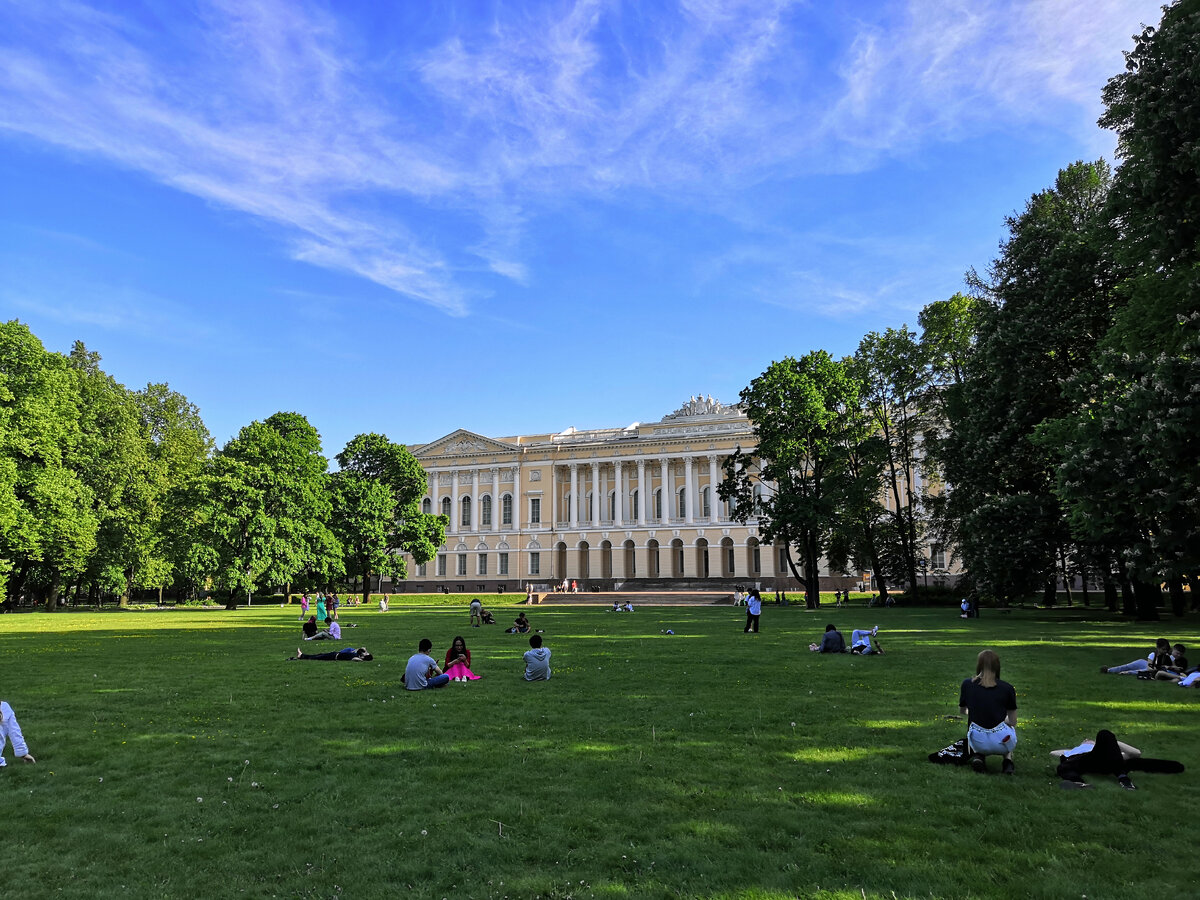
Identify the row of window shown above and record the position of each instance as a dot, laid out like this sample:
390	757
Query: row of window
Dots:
535	507
481	564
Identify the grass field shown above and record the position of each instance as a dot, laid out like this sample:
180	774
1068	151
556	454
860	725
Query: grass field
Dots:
180	754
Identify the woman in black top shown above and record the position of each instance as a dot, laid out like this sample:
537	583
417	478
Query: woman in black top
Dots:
990	706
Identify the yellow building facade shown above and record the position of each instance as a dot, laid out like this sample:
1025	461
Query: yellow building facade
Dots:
606	508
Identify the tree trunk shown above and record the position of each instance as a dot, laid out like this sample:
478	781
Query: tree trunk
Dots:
123	602
366	587
1049	595
1194	584
1178	598
1147	597
1128	604
52	593
231	603
1066	577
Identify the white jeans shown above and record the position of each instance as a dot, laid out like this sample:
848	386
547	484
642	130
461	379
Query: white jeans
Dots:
1001	739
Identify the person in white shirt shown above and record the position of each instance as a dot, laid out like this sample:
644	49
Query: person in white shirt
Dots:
753	611
10	731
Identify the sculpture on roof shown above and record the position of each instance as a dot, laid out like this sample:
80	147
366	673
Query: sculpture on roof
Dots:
702	406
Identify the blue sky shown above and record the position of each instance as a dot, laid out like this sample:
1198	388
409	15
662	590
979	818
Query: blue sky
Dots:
411	217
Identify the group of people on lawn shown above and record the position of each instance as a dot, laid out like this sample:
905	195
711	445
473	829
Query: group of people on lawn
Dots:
1166	662
422	671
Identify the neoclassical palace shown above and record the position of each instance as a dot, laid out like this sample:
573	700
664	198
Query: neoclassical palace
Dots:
610	508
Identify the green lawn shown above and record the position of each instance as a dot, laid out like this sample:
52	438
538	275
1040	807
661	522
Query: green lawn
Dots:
180	754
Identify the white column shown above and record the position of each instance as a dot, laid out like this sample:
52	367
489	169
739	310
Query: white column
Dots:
666	493
453	504
595	500
516	505
474	499
497	506
553	497
715	503
619	521
574	495
643	495
689	490
433	494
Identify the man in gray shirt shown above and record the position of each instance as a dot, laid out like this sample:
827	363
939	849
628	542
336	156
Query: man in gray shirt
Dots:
422	670
537	660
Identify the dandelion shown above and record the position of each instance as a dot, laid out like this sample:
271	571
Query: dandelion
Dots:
247	762
424	832
199	799
230	778
254	784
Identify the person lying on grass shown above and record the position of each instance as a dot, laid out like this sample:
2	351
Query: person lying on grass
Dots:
860	641
10	731
1107	756
1159	657
831	642
349	654
422	670
990	706
537	660
458	661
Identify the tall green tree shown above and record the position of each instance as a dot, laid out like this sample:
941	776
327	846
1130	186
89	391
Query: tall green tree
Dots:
263	509
50	525
377	509
1047	303
796	408
892	369
112	458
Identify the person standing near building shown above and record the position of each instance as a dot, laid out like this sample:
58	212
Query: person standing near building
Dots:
753	611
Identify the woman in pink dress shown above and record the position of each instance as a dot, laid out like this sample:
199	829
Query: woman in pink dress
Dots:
458	661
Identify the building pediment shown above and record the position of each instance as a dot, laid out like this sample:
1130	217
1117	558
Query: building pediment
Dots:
462	443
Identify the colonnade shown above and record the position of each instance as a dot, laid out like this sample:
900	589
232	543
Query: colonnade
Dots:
630	477
475	492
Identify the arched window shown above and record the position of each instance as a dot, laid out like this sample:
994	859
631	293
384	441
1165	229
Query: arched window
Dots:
446	507
506	509
682	502
485	509
427	506
705	503
658	504
466	512
633	504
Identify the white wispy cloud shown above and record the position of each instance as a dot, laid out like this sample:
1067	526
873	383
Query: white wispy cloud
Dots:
272	109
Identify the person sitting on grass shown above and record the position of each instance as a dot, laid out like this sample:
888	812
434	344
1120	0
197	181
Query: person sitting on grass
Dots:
860	641
458	661
10	731
1178	667
990	706
1159	658
1107	756
309	628
520	624
831	642
422	670
383	603
487	617
349	654
537	660
332	632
